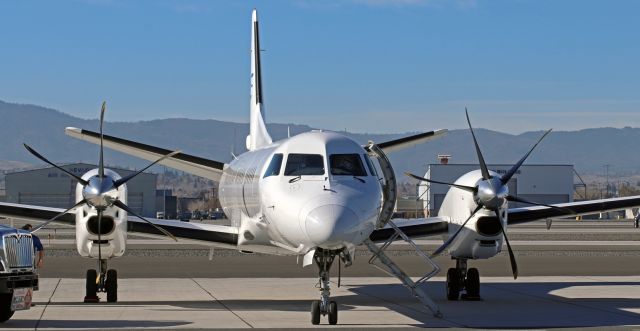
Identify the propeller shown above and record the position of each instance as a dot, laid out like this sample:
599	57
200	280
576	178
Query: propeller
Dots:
492	193
100	192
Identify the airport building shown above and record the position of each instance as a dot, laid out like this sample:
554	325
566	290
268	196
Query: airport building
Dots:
52	188
543	183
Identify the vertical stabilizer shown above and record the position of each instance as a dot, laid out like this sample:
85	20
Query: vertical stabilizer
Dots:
258	135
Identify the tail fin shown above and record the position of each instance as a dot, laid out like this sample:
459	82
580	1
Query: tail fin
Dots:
258	135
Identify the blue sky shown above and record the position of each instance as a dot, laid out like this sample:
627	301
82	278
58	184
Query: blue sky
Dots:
360	65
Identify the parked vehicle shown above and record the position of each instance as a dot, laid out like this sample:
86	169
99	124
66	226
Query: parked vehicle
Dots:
18	276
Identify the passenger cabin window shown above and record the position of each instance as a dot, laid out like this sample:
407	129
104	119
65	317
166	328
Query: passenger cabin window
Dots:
274	166
346	165
304	165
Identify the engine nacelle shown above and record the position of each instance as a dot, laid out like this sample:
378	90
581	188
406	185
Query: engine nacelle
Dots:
113	226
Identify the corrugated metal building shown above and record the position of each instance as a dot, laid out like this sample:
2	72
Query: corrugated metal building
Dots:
543	183
53	188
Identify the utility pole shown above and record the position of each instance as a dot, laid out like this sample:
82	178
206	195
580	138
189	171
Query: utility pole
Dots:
606	167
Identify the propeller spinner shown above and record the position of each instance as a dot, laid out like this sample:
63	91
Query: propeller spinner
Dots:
491	193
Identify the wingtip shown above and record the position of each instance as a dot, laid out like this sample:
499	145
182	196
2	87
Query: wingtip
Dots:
254	15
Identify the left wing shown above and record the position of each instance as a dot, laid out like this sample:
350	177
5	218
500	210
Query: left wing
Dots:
406	142
208	234
529	214
419	227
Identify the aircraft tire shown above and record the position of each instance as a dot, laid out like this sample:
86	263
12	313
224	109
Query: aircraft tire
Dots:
473	282
315	312
333	313
91	286
453	284
111	285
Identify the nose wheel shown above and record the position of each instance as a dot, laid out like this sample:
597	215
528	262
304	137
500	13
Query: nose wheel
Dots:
324	306
105	281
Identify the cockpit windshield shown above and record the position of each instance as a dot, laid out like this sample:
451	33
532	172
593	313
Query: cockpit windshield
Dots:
304	165
346	165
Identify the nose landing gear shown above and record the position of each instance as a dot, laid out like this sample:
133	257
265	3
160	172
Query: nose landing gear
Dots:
324	259
105	281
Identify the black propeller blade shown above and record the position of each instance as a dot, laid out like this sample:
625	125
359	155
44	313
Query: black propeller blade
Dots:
36	154
126	208
518	199
101	164
452	238
462	187
129	177
100	241
483	165
80	203
512	258
506	177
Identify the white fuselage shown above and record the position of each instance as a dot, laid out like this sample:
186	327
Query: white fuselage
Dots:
457	205
114	224
304	201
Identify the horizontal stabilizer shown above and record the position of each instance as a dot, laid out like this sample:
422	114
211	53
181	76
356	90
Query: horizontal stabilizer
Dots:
184	162
410	141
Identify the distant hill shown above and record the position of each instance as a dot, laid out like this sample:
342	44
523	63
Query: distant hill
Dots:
43	128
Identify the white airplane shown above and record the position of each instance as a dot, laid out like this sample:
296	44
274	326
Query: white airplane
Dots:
317	195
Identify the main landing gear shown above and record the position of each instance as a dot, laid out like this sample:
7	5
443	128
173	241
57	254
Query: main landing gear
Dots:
105	281
324	259
459	279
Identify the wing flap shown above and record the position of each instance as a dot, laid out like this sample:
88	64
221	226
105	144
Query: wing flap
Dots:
184	162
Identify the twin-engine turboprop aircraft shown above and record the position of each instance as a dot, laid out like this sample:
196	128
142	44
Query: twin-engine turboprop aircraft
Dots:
317	194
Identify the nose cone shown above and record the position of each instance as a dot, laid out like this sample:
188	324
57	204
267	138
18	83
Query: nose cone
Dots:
331	225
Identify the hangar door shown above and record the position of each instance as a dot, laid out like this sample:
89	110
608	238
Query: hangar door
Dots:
46	200
135	200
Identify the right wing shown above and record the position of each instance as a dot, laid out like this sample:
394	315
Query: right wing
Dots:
184	162
207	234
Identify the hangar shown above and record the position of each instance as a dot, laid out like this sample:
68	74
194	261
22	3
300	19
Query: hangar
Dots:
543	183
53	188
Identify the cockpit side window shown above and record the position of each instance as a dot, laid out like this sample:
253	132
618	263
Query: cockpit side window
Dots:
372	168
274	166
304	165
346	165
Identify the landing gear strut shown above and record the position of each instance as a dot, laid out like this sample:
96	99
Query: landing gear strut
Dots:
459	278
324	260
104	281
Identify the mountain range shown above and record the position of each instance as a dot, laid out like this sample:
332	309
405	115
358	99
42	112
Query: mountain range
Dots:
43	128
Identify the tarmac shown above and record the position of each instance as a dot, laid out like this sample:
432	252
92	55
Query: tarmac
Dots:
576	275
364	302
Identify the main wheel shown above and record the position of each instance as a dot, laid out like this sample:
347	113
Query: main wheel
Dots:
92	287
5	306
333	313
111	285
453	284
315	312
473	283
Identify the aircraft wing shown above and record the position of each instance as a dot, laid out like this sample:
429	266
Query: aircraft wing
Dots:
207	234
410	141
188	163
418	227
529	214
